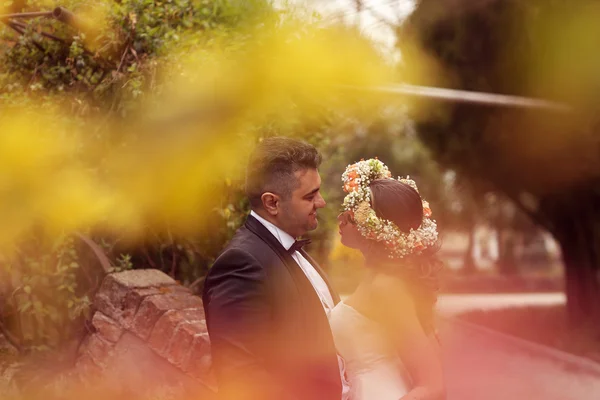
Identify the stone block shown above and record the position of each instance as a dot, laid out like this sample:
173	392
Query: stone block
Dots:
107	327
120	294
87	368
137	369
98	349
182	342
142	278
154	306
165	327
200	360
121	304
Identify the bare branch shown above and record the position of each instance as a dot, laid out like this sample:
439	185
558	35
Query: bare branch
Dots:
100	255
27	15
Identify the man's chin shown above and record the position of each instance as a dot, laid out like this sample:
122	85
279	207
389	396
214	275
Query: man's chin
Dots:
313	226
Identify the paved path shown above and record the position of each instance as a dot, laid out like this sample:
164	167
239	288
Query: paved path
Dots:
481	366
451	304
486	366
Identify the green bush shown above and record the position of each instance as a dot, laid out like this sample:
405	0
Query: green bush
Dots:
106	67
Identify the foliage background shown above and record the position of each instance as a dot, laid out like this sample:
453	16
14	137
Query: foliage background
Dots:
124	137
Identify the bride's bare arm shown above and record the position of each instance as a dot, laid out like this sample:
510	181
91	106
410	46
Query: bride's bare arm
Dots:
417	352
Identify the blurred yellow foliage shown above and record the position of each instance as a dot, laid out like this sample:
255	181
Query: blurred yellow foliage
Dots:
342	254
41	180
168	168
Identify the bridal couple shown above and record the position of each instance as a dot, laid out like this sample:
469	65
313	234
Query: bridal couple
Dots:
278	329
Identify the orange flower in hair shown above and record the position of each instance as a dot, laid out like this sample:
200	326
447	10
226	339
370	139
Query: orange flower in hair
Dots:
426	209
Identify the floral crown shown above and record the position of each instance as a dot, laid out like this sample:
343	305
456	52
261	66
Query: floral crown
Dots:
356	179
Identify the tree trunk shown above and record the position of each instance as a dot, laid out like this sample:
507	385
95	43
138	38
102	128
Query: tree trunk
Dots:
468	261
581	285
580	258
576	226
507	262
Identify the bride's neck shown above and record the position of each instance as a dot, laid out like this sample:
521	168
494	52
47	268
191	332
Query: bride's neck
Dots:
374	257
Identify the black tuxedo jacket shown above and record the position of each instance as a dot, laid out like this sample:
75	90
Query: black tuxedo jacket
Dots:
270	337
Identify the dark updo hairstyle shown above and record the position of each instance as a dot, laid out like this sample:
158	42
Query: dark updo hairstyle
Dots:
401	204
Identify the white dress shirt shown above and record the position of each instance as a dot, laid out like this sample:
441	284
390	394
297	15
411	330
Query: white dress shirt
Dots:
311	273
315	279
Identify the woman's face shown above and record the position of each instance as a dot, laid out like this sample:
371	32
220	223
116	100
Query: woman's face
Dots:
349	233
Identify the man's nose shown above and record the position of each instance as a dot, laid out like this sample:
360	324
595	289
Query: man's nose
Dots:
320	201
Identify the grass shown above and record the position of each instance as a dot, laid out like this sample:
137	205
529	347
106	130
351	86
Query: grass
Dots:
546	325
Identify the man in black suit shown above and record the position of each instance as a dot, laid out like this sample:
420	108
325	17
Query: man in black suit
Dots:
266	300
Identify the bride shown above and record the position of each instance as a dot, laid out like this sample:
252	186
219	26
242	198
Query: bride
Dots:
384	330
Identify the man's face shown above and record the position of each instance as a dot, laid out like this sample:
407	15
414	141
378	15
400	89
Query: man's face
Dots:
299	211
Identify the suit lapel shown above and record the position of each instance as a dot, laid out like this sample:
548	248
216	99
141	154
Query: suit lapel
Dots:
305	288
314	314
262	232
299	276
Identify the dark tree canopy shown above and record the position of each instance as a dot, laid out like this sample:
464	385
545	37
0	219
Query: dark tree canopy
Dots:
547	163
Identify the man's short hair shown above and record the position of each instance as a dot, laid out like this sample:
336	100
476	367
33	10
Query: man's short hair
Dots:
272	166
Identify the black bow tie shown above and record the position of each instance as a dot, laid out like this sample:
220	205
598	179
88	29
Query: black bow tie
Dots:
298	244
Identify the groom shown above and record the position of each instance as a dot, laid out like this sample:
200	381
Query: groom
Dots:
266	299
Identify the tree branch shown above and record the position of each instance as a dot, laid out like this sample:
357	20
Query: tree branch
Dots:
45	34
100	255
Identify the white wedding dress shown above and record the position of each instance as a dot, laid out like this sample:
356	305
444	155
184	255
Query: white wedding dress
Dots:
373	368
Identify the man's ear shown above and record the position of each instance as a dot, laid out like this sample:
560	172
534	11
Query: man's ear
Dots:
270	203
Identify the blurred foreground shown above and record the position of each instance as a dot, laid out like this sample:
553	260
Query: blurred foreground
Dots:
122	146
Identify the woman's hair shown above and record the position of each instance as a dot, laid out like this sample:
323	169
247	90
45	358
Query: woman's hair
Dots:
401	204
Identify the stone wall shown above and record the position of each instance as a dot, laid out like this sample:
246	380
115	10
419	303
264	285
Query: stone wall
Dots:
148	334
